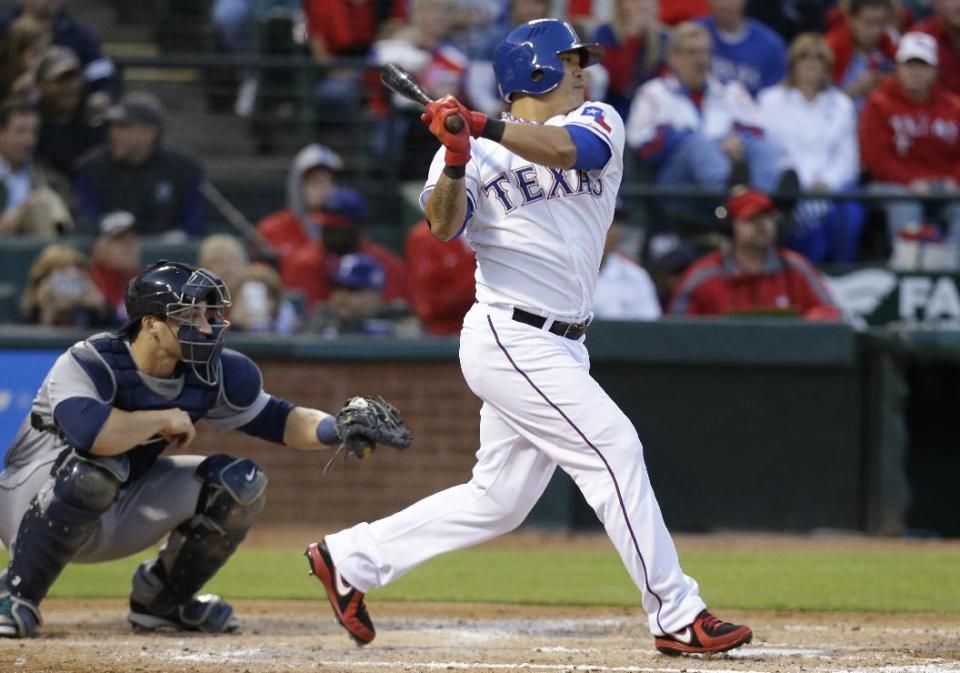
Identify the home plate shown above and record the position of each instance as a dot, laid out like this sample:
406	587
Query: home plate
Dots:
751	652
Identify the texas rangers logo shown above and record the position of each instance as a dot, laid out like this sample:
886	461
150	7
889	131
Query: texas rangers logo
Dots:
597	114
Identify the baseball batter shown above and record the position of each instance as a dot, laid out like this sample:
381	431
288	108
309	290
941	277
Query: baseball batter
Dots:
85	481
534	195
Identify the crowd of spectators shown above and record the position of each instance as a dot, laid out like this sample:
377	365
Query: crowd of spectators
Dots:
795	100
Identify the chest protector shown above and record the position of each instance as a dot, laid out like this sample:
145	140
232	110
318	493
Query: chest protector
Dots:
132	394
127	391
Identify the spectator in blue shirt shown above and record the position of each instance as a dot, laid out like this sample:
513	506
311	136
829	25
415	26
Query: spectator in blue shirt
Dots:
743	48
133	171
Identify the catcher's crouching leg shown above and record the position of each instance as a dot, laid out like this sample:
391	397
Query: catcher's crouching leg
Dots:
233	494
61	519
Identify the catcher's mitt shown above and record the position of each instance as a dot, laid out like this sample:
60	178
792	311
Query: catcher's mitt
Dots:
365	422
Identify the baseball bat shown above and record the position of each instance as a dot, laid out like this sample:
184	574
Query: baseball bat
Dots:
397	79
235	218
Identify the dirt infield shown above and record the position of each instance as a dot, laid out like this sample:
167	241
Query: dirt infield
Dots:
92	637
81	636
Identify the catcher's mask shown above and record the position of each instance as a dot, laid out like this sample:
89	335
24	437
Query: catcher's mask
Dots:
191	299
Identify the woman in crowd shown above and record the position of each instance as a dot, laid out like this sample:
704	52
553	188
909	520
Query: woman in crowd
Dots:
61	293
20	52
814	126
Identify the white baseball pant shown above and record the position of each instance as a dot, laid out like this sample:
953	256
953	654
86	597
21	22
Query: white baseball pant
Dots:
541	409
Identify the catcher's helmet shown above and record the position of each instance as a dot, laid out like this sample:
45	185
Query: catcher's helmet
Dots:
175	292
527	62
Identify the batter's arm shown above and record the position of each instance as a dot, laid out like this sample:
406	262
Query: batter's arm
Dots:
446	207
549	146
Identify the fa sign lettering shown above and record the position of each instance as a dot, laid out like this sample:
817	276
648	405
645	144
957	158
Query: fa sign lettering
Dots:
929	299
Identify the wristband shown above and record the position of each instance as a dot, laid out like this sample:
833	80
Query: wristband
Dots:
455	172
327	431
494	130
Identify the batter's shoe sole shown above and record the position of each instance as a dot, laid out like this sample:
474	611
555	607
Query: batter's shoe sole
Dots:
347	602
705	635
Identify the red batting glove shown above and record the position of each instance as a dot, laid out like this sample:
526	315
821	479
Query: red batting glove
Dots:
457	144
476	121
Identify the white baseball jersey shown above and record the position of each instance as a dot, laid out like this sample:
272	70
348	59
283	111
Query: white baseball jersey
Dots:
665	102
538	232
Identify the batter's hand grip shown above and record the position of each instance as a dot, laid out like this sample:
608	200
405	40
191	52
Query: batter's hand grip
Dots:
454	123
397	79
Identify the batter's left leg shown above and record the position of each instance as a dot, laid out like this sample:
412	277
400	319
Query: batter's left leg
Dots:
508	479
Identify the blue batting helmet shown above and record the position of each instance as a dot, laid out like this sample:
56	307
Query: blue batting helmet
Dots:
527	60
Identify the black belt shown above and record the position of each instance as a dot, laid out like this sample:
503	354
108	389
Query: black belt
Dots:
565	329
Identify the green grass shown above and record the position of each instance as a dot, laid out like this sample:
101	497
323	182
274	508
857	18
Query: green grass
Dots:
872	580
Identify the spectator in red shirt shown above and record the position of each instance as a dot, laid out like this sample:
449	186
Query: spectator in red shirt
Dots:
311	181
863	47
910	137
116	258
342	27
338	29
944	25
754	276
635	44
309	268
442	287
673	12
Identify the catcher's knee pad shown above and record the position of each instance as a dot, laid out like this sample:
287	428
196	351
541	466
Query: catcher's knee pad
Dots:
83	488
233	494
62	517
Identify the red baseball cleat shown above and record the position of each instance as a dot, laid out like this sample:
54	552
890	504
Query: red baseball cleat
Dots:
705	634
347	602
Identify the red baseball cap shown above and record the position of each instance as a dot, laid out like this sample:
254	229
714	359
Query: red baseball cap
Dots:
748	203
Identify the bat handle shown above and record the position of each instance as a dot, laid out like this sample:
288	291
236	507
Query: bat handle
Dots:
454	123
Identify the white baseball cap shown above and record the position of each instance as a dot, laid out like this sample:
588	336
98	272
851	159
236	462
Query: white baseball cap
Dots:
117	222
917	46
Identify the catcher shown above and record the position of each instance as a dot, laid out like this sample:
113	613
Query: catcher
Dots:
85	479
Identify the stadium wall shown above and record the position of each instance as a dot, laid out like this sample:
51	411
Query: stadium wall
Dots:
753	425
